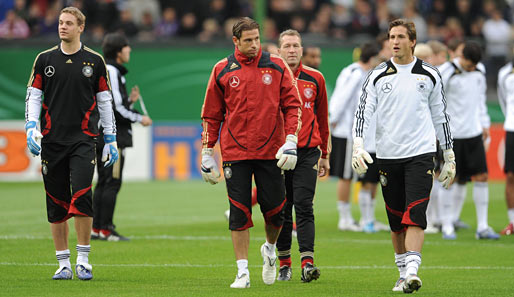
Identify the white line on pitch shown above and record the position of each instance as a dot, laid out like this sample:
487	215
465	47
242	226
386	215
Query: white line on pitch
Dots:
188	265
257	238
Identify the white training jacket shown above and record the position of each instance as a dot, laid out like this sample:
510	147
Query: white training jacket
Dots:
409	102
344	100
466	100
506	95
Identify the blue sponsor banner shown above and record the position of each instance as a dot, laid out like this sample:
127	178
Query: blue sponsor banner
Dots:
176	150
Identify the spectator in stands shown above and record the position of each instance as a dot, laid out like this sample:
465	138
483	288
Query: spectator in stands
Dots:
364	20
13	27
497	34
168	25
210	30
147	27
188	25
127	25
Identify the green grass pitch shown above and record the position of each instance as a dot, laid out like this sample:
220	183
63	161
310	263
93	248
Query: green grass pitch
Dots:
181	247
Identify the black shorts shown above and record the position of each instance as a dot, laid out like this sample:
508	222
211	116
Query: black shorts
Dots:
469	157
68	174
270	192
509	152
371	175
406	188
341	158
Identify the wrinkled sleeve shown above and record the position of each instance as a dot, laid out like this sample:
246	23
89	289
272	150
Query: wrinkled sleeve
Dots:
322	118
213	111
290	102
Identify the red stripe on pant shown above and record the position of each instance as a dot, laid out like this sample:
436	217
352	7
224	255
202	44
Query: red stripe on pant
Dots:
406	215
398	214
273	212
78	194
247	212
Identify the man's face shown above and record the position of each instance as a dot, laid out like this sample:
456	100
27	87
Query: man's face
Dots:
467	65
69	29
124	55
291	50
249	43
312	57
399	42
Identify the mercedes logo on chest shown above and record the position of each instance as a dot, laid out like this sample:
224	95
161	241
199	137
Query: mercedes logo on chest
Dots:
387	87
49	71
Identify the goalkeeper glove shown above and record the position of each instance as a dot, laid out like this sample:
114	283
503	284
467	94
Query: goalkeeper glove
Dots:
110	151
286	154
449	168
209	168
360	156
33	135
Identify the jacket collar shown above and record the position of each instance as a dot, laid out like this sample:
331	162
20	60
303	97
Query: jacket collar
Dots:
300	68
120	67
244	59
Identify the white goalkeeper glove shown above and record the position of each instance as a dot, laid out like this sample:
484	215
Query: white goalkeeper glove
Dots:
286	154
33	135
209	168
449	168
110	151
360	156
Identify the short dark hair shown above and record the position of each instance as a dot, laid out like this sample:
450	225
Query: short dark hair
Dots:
472	52
409	25
113	44
244	24
454	43
368	51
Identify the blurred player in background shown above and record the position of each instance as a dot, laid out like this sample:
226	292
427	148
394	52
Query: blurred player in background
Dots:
370	179
343	104
116	52
270	48
506	98
408	97
313	140
70	131
312	56
424	52
466	87
253	134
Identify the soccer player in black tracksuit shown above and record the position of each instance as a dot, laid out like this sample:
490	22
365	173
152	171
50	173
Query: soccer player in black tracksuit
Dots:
117	52
70	83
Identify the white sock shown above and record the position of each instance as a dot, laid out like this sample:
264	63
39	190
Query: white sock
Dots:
271	249
345	210
481	198
372	209
399	259
364	204
445	203
64	258
83	253
459	195
432	209
242	267
412	262
510	213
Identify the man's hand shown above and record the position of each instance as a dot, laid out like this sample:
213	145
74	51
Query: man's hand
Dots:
286	154
33	135
360	156
134	94
146	121
209	168
324	167
110	151
448	171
